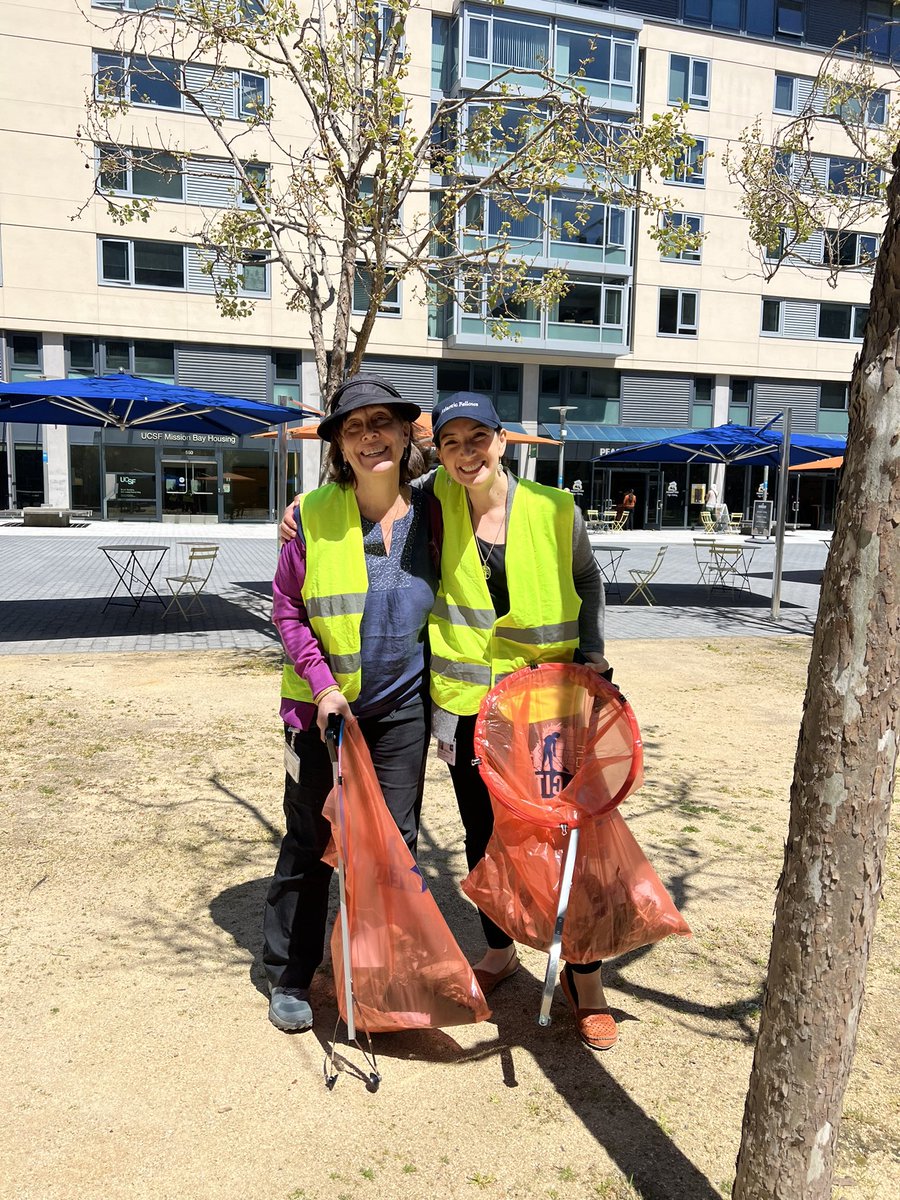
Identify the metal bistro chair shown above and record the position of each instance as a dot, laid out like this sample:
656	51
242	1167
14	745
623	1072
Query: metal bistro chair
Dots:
201	560
642	577
735	522
704	555
707	520
592	519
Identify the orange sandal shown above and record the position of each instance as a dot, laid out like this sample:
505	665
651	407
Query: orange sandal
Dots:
596	1026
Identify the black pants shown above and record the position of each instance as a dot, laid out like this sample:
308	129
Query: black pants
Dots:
474	803
296	909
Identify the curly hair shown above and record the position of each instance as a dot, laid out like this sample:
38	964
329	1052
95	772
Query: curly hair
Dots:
338	470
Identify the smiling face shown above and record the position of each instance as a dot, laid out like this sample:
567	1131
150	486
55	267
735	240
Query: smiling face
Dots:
372	440
470	453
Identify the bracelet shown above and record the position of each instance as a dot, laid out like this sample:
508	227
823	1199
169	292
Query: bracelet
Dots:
332	687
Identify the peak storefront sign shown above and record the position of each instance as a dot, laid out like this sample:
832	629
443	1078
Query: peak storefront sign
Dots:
206	439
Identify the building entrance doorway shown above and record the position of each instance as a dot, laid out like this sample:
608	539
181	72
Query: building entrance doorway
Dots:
190	489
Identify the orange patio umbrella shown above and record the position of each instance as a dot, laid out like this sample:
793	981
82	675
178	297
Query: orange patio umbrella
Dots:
422	427
823	464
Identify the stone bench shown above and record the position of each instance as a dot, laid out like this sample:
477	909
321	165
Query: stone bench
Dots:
47	518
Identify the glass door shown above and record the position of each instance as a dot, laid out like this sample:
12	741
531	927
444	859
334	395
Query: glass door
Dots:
190	490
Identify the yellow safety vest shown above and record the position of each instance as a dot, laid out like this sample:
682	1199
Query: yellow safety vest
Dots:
335	588
471	646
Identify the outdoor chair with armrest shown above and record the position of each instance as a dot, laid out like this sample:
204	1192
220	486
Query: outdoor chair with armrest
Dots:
641	577
191	584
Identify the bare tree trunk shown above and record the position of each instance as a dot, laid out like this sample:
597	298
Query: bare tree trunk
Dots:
841	792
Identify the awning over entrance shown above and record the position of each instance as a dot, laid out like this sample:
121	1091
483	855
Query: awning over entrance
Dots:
613	435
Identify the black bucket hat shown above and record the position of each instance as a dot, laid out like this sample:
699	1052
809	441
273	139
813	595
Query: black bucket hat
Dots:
359	392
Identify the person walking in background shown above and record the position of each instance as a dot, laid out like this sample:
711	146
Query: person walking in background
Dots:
629	501
352	593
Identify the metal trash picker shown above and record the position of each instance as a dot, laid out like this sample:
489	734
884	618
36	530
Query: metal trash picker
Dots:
334	736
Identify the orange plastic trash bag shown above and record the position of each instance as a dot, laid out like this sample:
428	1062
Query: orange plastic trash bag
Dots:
407	970
560	748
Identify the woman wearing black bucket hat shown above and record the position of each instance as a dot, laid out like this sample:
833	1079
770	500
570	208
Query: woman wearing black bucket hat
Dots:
351	598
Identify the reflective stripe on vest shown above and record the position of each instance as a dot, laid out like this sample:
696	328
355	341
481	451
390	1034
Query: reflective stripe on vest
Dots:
470	648
335	588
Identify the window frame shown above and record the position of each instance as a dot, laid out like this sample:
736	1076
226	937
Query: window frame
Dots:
392	313
779	332
697	175
693	99
683	328
127	169
129	243
243	110
688	256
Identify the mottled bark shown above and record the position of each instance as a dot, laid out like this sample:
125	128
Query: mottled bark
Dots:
841	792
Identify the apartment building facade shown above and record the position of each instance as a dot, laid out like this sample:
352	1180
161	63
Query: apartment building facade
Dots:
640	342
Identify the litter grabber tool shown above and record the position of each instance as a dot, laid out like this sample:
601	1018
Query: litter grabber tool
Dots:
559	749
334	738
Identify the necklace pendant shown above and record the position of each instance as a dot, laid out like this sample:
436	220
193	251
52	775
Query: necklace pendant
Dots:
487	570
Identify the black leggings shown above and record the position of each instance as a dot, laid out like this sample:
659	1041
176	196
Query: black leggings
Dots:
474	803
296	911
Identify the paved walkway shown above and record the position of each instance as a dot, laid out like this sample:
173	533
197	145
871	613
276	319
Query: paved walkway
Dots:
54	584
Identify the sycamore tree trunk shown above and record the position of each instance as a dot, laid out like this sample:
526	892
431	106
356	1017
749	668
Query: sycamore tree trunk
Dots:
841	792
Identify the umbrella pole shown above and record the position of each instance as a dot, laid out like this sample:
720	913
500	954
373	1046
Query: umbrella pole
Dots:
565	888
333	736
781	514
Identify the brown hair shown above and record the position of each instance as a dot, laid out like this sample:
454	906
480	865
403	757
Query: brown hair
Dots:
338	470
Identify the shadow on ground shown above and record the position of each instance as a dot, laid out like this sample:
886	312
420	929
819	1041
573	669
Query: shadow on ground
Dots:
79	619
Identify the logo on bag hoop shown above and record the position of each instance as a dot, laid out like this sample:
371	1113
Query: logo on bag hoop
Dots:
550	756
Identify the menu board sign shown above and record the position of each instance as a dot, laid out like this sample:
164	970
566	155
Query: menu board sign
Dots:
762	518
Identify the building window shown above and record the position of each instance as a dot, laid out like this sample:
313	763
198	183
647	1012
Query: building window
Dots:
852	177
786	95
82	355
678	312
25	352
154	82
848	249
842	322
690	223
834	396
702	403
252	92
362	294
741	401
140	173
594	391
142	264
789	18
254	279
772	314
502	383
688	81
690	165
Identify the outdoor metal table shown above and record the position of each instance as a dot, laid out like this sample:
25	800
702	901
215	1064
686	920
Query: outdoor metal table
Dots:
135	564
610	569
730	564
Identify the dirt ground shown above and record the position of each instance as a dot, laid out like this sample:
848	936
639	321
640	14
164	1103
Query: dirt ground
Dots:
140	798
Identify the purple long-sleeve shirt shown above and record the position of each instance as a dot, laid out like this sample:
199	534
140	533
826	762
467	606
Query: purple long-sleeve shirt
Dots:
400	594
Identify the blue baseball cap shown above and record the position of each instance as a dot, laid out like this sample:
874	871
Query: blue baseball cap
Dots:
471	405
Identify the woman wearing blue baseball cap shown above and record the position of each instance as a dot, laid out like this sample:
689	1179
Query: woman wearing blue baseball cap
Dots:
518	585
352	594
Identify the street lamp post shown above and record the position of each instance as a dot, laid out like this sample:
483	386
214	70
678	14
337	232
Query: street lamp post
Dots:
562	409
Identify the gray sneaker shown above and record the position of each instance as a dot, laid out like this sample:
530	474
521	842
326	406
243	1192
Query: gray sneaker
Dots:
289	1009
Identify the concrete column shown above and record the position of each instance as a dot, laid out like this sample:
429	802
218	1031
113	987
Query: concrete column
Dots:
721	397
531	373
311	455
57	491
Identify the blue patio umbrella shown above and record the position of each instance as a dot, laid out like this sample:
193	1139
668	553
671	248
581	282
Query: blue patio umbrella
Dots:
127	402
729	444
